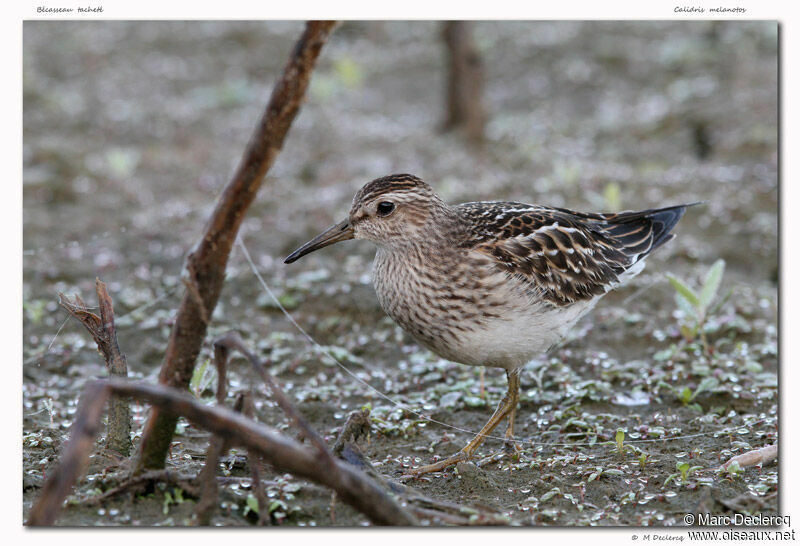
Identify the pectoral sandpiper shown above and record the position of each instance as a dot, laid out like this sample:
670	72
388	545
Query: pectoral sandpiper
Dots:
491	283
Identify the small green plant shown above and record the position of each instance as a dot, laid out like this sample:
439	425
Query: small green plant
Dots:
599	472
202	378
251	505
643	459
170	498
686	469
619	438
731	470
620	446
686	396
697	307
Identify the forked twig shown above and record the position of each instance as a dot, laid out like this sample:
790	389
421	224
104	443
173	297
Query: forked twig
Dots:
104	331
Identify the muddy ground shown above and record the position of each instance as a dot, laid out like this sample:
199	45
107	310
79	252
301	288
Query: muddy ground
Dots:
132	129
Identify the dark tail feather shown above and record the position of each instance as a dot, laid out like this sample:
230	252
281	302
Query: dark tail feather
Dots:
639	233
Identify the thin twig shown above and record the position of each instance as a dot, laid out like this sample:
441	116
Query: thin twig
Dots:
185	482
217	447
249	410
421	505
234	341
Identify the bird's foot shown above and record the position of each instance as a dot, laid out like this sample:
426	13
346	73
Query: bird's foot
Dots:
438	466
510	452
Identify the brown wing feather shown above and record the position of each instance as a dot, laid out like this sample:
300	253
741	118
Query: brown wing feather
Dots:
567	256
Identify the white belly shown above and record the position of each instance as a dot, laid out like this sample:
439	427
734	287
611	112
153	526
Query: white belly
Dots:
513	341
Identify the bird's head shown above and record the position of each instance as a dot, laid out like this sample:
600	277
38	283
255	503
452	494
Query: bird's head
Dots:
390	211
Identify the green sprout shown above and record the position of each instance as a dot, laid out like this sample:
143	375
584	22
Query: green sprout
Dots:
621	447
202	378
697	307
686	469
686	396
619	438
170	499
731	470
251	504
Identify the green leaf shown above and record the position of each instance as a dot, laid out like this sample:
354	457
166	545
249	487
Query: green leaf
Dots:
663	355
707	384
684	290
734	469
197	376
167	502
550	494
686	307
711	284
252	505
688	332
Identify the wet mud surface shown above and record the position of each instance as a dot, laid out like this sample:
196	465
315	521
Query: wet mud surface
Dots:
132	129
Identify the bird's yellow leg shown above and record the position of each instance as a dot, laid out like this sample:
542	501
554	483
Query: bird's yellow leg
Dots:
510	445
507	407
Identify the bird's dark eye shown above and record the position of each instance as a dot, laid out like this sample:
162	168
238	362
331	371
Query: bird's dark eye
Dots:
385	208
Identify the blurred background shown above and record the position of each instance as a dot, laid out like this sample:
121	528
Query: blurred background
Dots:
131	130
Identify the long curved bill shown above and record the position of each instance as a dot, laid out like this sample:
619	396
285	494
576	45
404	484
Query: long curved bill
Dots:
338	232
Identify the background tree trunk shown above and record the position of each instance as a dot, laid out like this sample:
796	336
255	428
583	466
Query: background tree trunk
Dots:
465	82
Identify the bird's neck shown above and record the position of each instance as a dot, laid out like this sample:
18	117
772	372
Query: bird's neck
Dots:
442	229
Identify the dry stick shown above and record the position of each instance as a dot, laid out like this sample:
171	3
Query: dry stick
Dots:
249	410
233	340
751	458
75	455
418	503
209	489
357	425
206	264
216	448
104	332
287	455
183	481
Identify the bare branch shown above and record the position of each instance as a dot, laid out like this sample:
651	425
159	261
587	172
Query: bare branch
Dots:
207	263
